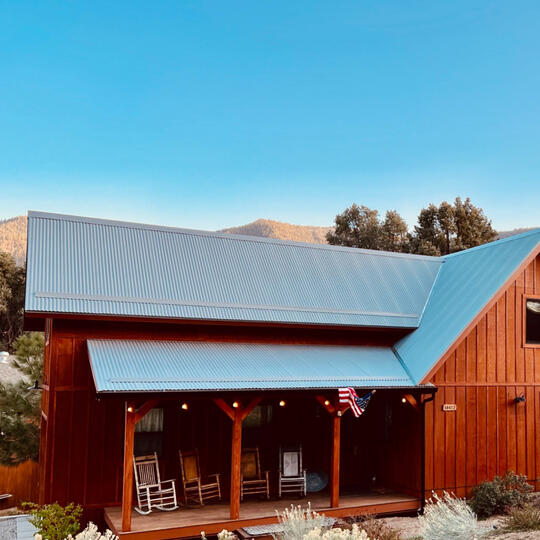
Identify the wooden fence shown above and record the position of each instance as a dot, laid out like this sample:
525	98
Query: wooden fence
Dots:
20	481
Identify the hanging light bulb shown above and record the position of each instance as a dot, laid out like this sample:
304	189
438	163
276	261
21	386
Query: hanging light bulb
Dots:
282	403
236	404
185	406
130	409
403	400
327	403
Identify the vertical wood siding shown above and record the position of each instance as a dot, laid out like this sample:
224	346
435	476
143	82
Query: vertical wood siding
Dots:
488	434
21	481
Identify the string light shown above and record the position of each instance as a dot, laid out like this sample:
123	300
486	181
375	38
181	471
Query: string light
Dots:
282	403
130	409
403	400
185	406
236	404
327	403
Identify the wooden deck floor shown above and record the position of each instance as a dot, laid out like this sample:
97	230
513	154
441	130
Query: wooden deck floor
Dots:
189	522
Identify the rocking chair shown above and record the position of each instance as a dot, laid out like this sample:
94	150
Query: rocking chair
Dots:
292	478
152	492
194	489
253	481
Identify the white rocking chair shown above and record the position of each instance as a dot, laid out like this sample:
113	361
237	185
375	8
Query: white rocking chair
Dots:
292	477
152	492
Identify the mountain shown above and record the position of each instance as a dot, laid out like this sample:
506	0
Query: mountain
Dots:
13	237
283	231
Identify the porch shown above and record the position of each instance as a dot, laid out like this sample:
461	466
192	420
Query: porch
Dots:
188	522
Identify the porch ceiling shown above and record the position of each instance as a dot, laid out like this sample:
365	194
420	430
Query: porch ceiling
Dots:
176	366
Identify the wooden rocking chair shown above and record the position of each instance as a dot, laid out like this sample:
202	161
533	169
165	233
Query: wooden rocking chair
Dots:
152	492
292	478
253	481
195	490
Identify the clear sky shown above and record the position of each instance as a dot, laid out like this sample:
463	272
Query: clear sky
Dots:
212	114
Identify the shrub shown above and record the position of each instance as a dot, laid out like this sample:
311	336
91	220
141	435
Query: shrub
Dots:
449	517
501	494
297	522
55	522
525	518
377	528
355	533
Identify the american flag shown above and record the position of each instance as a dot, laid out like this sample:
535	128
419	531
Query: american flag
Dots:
358	405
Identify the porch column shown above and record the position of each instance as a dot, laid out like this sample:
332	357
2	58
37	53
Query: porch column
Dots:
336	410
236	413
129	443
336	447
131	416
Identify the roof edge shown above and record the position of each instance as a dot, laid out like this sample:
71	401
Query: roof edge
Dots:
227	236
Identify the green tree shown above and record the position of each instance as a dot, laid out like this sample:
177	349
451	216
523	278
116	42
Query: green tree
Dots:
360	226
449	228
20	406
12	284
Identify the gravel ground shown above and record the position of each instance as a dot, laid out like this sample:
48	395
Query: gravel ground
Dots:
410	528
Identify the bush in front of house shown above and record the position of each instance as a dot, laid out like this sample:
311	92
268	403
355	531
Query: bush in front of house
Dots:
500	495
449	517
297	522
55	522
522	518
377	529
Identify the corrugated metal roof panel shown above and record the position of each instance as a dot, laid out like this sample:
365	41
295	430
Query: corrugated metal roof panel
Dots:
82	265
161	366
468	280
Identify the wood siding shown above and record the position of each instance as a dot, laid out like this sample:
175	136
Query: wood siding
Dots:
21	481
488	433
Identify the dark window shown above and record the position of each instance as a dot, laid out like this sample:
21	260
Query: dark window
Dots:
532	321
149	433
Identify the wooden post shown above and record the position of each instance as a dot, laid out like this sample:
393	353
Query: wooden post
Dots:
236	456
335	410
132	416
127	489
336	446
236	414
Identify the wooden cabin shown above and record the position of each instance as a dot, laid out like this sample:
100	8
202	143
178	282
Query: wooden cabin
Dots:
163	340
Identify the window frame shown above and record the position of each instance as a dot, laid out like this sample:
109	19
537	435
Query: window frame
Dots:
524	322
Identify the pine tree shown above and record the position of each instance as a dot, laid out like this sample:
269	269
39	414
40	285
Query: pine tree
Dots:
20	406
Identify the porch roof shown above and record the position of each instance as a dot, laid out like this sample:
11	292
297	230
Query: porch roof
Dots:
176	366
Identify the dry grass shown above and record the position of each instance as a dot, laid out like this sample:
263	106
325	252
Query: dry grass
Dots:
377	528
525	518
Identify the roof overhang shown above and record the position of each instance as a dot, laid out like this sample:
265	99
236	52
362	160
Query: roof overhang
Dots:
136	366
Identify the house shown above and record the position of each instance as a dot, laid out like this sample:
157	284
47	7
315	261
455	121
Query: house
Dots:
162	339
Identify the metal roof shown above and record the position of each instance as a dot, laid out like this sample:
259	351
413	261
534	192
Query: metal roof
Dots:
91	266
161	366
468	280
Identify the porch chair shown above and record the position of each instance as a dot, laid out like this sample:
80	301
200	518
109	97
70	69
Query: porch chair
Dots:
195	490
292	478
152	492
253	481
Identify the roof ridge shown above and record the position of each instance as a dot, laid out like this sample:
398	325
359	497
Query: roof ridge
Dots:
494	243
226	236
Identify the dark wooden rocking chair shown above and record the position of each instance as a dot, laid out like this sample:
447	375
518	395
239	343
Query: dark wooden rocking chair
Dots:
253	481
292	478
195	490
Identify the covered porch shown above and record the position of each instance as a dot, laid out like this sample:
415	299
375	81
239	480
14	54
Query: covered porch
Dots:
211	519
265	396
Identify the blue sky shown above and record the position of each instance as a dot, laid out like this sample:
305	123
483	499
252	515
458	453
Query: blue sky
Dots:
212	114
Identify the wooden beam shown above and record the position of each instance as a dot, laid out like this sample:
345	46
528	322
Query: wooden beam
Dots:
127	488
145	408
328	406
225	407
250	406
236	458
336	448
412	401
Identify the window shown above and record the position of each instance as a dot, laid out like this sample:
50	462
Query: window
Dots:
532	321
149	433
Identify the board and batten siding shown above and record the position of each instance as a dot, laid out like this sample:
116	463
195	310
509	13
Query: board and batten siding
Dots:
488	433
